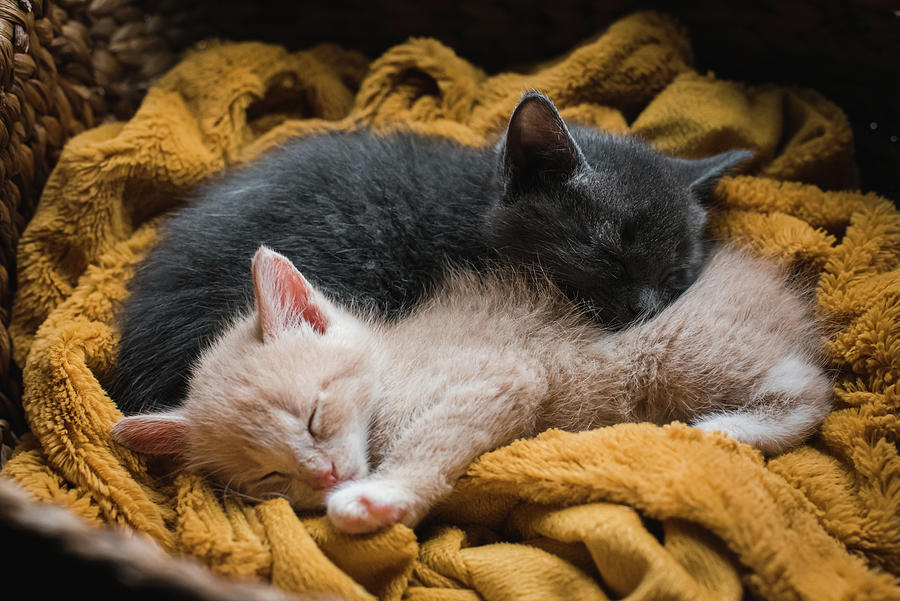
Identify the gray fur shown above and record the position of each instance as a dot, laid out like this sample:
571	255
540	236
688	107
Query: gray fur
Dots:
375	220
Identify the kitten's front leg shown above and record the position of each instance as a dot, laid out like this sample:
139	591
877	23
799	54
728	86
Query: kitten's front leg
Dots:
425	462
416	474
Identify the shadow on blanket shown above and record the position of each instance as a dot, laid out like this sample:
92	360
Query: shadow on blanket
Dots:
633	511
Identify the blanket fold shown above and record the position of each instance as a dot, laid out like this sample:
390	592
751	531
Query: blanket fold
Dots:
633	511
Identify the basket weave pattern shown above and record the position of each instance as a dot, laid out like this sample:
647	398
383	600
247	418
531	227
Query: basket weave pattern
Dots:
65	66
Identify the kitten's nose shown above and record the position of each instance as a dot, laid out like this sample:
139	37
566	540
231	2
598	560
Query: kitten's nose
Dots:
635	309
326	478
644	302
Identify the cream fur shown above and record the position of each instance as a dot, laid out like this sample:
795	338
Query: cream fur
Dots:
402	409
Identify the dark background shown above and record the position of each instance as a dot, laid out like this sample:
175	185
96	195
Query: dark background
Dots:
847	50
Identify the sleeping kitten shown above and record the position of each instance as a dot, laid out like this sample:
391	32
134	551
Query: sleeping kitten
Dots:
374	219
304	399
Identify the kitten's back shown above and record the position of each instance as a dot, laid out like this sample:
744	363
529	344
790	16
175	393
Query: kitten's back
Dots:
485	333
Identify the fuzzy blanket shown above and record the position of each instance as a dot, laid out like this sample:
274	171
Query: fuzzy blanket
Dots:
632	511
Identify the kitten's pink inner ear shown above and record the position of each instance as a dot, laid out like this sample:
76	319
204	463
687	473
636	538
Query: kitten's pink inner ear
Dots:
161	434
284	298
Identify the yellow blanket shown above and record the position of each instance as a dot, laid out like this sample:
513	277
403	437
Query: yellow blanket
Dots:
632	511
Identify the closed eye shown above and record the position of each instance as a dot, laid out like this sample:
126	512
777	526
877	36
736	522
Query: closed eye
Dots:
273	475
309	425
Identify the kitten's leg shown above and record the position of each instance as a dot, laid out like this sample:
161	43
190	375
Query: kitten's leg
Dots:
428	457
789	405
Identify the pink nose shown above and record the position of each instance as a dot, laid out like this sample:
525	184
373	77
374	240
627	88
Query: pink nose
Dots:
326	478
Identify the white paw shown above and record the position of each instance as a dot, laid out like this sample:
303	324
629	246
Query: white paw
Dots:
368	505
771	436
741	427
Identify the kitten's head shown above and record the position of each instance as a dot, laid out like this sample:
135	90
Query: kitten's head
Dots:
616	224
279	404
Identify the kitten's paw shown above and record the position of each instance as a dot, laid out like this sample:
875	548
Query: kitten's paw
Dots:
366	506
718	423
770	437
743	428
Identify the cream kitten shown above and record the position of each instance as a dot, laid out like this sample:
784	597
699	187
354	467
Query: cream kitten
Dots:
304	399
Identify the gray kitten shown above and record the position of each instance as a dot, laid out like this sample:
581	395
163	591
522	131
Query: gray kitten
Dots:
374	220
377	420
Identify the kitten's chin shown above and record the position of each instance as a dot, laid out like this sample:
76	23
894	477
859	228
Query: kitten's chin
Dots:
305	498
308	501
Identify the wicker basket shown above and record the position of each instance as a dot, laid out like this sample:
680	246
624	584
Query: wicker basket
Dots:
68	65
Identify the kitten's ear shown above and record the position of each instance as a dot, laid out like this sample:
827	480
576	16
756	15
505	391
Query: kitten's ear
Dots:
284	299
153	434
538	147
702	175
